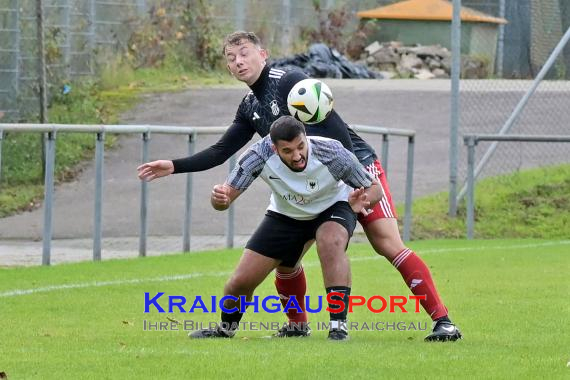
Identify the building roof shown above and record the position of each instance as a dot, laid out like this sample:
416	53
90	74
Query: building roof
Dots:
431	10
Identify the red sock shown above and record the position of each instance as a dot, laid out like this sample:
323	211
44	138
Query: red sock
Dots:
292	284
418	278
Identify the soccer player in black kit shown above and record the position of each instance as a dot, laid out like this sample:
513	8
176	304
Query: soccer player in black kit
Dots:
266	102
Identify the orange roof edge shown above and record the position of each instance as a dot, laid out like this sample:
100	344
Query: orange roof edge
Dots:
431	10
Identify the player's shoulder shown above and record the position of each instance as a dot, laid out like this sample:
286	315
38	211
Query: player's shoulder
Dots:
286	73
248	98
262	148
326	149
321	141
247	103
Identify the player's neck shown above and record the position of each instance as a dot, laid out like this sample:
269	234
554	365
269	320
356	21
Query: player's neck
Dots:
259	85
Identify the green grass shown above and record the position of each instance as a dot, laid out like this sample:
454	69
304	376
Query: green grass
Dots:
527	204
509	297
118	89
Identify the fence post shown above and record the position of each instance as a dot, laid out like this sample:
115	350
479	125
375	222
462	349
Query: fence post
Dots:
501	42
48	197
188	202
471	142
385	146
91	35
231	212
99	151
67	46
409	189
144	199
1	139
454	119
41	61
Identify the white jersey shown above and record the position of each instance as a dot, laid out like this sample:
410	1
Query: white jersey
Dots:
330	174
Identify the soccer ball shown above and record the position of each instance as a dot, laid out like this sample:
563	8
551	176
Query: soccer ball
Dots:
310	101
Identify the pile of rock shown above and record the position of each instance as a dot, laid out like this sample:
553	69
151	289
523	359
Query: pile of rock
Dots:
393	60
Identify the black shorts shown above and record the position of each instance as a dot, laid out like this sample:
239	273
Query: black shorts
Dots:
283	238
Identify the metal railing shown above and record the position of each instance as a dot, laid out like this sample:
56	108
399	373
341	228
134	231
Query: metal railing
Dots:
51	131
471	142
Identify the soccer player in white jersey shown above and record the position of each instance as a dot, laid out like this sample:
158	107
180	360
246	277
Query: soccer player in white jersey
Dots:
318	188
265	103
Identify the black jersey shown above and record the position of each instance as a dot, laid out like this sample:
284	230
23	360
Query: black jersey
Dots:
265	103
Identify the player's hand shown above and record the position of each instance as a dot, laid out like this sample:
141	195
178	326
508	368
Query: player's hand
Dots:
155	169
220	198
358	201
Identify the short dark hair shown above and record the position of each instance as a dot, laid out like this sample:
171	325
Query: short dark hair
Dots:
234	39
286	128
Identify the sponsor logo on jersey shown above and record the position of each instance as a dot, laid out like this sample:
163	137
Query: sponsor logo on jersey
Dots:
312	185
274	107
296	198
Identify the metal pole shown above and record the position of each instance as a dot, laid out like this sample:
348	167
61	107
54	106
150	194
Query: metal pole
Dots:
470	186
286	26
501	42
41	61
141	7
99	151
48	197
239	9
67	46
520	106
385	145
187	232
409	189
16	60
144	199
42	75
91	36
231	212
454	121
1	139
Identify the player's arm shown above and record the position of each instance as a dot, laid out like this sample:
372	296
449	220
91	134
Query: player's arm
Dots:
237	135
223	195
344	166
247	169
361	199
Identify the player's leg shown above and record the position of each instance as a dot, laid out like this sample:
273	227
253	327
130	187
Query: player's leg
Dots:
251	270
289	282
284	238
381	228
335	227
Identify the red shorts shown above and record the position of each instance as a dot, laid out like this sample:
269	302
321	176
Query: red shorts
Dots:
385	207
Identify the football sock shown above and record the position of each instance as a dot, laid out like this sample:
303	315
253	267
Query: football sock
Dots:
338	320
230	321
443	319
418	278
292	284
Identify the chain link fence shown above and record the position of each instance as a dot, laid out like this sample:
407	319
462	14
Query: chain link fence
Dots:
488	99
81	33
77	34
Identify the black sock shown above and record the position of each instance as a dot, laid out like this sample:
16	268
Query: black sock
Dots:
230	321
339	317
443	319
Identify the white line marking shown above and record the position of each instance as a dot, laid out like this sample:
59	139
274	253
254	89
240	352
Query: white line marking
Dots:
96	284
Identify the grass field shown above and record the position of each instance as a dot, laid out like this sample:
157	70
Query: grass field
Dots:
85	321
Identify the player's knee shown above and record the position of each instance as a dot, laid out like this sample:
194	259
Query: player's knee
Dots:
331	244
239	285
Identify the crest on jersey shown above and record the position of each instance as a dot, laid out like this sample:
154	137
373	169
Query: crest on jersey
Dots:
312	185
274	107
